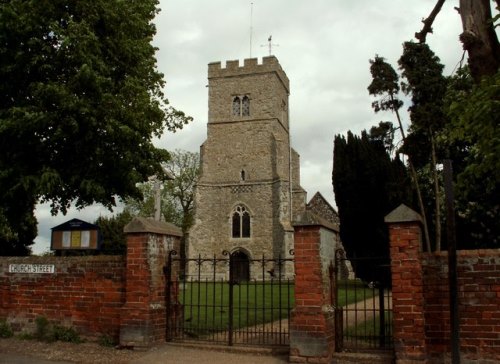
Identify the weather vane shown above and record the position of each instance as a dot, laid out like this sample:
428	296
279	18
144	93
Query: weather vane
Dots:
270	44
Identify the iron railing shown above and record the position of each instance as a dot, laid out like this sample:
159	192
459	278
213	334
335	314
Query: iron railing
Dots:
219	301
363	309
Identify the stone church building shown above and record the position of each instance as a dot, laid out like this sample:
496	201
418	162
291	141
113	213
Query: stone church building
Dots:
249	186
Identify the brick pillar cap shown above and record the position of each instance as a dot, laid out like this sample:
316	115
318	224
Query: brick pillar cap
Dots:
403	214
145	225
308	218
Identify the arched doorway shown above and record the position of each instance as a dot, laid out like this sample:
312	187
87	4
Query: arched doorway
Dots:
240	267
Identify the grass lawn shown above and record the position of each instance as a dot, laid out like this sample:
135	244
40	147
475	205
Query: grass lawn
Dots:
368	332
206	304
350	291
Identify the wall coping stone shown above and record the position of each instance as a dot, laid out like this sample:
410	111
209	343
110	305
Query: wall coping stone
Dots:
472	253
403	214
147	225
52	259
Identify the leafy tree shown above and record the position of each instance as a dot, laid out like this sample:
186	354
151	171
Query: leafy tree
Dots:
145	206
385	84
184	167
113	238
384	133
17	226
460	124
80	101
473	139
368	184
177	194
456	119
424	81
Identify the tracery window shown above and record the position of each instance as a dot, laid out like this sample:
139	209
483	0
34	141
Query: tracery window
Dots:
241	106
240	222
245	106
236	106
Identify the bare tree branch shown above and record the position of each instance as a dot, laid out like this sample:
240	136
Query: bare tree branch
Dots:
428	22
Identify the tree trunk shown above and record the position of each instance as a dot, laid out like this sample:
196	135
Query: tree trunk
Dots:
479	38
415	181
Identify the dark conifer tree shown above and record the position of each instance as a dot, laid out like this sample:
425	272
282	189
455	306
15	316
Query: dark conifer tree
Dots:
368	184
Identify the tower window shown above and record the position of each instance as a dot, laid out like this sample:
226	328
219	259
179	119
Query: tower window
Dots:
236	106
241	106
241	222
245	106
242	175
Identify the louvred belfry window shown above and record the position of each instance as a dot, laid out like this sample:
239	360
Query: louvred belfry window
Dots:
241	106
236	106
245	106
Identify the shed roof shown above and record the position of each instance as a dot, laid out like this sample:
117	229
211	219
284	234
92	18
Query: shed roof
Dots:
75	224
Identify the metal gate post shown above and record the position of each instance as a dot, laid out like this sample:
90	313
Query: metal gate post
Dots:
339	312
381	300
168	296
231	283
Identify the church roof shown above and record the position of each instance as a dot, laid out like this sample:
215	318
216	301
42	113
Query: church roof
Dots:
321	207
147	225
308	218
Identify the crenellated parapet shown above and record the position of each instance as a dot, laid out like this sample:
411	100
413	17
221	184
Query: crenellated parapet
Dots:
251	66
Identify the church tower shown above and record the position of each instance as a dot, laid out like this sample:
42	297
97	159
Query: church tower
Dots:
249	186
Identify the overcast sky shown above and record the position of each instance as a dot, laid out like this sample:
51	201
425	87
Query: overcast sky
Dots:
324	46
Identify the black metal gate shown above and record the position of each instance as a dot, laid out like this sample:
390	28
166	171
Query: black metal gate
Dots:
230	299
363	309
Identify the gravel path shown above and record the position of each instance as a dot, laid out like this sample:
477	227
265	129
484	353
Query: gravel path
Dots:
15	351
361	311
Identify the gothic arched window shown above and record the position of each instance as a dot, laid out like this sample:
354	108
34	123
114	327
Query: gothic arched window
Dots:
240	222
236	106
245	106
241	106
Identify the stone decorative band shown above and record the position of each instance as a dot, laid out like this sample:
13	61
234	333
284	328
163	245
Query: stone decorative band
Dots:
241	189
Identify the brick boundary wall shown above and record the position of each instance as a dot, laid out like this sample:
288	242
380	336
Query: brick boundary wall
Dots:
478	274
420	298
121	297
85	293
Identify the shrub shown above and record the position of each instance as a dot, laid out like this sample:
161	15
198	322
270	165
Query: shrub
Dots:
47	332
66	334
106	340
42	328
5	329
26	336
